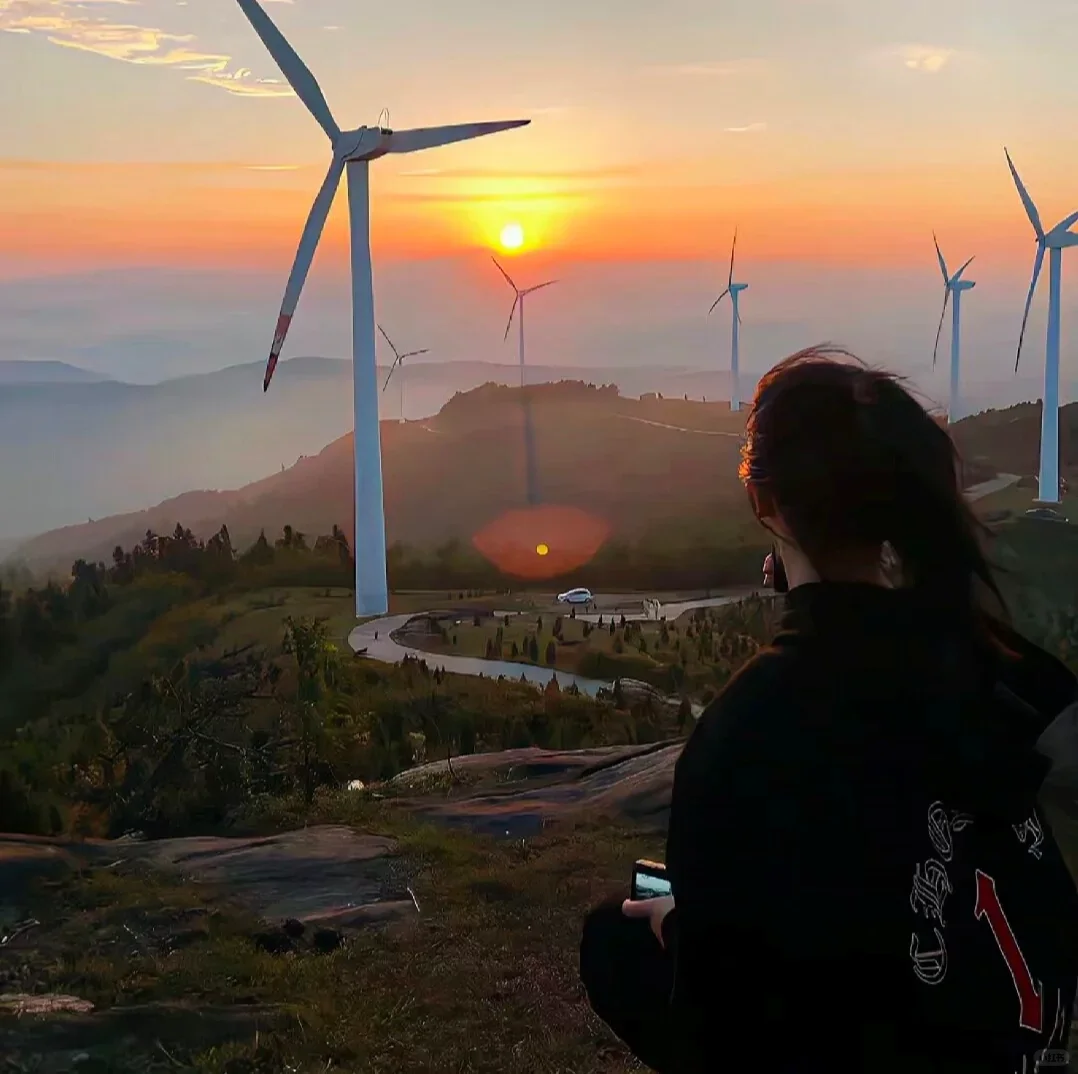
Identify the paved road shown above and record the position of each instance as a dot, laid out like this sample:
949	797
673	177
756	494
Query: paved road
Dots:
993	484
679	428
384	648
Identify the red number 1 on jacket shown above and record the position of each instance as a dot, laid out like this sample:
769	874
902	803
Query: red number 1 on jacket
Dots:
1030	1002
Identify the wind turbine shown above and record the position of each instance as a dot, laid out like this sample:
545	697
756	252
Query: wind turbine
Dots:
353	150
518	300
733	290
398	360
1054	240
530	466
952	285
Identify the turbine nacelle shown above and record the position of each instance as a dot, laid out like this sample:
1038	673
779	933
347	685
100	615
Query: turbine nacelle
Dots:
737	288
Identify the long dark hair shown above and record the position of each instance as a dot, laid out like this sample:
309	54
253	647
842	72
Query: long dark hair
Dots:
851	461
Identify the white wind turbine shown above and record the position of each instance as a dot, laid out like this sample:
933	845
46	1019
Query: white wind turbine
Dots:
1055	240
952	285
398	360
518	300
733	290
354	149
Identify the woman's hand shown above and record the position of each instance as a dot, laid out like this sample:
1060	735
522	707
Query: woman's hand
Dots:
653	909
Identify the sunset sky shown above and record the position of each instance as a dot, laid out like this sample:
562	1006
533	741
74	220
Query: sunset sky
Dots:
156	161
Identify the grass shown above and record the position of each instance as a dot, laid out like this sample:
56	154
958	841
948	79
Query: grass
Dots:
649	653
484	980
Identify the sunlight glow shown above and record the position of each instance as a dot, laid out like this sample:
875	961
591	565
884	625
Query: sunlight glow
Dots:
512	238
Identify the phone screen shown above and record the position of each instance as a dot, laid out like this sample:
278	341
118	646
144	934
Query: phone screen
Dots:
649	880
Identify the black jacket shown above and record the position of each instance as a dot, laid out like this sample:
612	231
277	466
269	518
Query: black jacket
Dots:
862	877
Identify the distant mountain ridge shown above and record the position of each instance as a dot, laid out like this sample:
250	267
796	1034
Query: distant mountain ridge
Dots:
632	463
45	372
72	450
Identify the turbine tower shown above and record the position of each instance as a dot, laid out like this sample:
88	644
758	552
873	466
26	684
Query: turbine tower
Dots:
733	290
1055	240
518	300
353	150
398	360
952	285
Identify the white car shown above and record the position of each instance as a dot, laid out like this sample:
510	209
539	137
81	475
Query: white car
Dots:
575	596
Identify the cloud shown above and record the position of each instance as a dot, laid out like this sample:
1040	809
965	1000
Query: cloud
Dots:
74	24
617	171
930	59
501	198
15	164
711	69
749	128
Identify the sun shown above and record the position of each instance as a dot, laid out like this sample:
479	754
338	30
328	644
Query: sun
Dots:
541	550
512	237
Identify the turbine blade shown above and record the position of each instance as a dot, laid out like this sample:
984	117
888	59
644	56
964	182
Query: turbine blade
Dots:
939	328
733	246
939	255
412	354
538	287
508	278
292	67
432	137
1065	225
396	354
1038	261
1027	201
509	323
958	274
717	301
308	243
390	374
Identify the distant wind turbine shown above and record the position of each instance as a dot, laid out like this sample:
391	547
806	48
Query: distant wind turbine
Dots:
398	360
733	290
353	149
518	301
1055	240
529	429
952	285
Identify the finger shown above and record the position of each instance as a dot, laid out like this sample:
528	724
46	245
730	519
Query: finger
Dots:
636	908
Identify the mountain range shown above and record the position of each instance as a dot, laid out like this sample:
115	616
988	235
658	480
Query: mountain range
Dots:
633	464
73	447
638	465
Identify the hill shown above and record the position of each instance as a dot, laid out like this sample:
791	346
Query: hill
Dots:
1010	440
45	372
642	466
72	449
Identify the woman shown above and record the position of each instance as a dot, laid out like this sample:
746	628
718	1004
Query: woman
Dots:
862	879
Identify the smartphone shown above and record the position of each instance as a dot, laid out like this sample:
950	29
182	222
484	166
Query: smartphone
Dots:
779	582
649	880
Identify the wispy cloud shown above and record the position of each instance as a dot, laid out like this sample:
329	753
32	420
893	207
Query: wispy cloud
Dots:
476	198
711	69
617	171
749	128
927	58
76	24
173	167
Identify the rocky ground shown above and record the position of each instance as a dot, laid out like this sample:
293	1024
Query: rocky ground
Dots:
164	955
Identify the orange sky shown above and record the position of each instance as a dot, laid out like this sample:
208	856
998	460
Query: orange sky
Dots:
222	214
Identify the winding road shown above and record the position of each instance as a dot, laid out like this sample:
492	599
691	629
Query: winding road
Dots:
376	637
